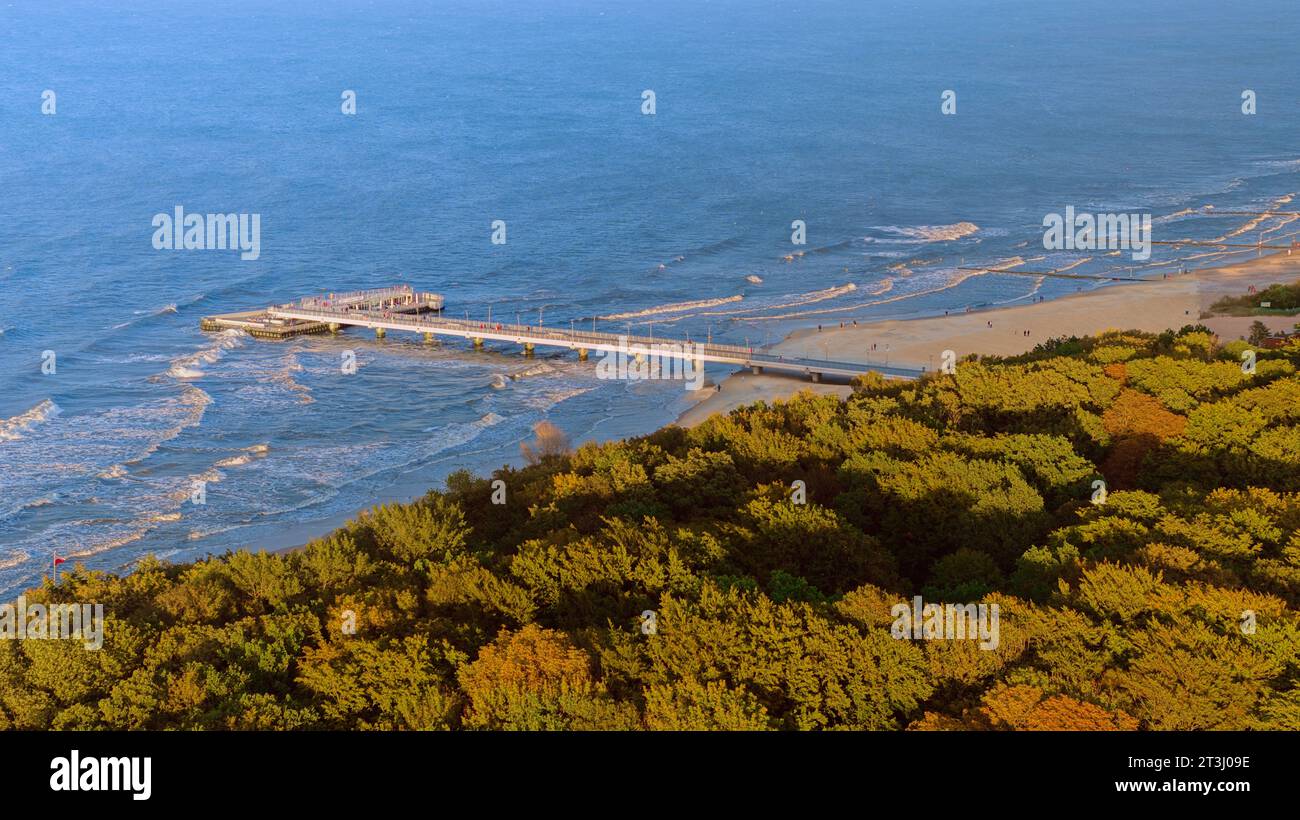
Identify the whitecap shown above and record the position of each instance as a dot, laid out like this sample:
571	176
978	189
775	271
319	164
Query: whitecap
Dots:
13	428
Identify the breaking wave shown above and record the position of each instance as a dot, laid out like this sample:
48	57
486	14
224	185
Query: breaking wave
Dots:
245	455
190	366
13	428
677	307
933	233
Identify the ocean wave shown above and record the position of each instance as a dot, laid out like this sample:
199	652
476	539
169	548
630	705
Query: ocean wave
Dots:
14	559
32	504
932	233
539	369
190	366
245	456
676	307
167	308
13	428
1161	220
192	405
145	315
955	279
285	379
798	301
547	400
334	468
488	419
1255	221
1278	163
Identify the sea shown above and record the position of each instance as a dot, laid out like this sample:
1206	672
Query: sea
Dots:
647	164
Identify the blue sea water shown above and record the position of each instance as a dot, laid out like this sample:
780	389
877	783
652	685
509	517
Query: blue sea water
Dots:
531	113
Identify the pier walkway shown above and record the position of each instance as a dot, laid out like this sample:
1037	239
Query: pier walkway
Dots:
402	309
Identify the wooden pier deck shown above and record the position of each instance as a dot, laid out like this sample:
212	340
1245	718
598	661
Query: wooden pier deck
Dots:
403	309
265	324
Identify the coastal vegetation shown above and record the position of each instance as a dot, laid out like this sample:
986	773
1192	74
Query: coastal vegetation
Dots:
1130	502
1274	299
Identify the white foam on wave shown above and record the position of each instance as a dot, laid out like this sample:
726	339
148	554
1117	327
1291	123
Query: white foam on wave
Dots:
141	315
285	379
932	233
32	504
547	400
1255	221
14	427
245	456
1176	215
955	279
334	468
677	307
797	301
192	405
539	369
1279	163
190	366
13	559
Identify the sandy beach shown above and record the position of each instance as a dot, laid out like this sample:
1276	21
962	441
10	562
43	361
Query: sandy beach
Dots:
1152	306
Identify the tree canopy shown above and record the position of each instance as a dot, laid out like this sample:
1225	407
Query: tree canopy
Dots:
741	574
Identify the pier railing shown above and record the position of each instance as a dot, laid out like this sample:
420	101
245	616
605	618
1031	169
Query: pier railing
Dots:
582	340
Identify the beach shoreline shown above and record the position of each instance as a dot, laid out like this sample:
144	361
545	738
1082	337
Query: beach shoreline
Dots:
1153	305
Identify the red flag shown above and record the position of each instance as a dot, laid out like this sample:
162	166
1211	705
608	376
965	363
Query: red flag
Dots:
58	560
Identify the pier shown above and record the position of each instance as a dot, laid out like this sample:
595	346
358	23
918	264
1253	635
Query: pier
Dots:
271	323
401	308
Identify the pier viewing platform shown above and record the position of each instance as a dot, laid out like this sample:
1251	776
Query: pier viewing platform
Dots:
267	324
401	308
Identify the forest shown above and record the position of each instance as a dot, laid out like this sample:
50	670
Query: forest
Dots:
1130	502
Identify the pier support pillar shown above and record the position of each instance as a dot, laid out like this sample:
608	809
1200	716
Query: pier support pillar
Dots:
528	348
334	327
756	370
582	354
380	333
478	344
428	338
815	376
